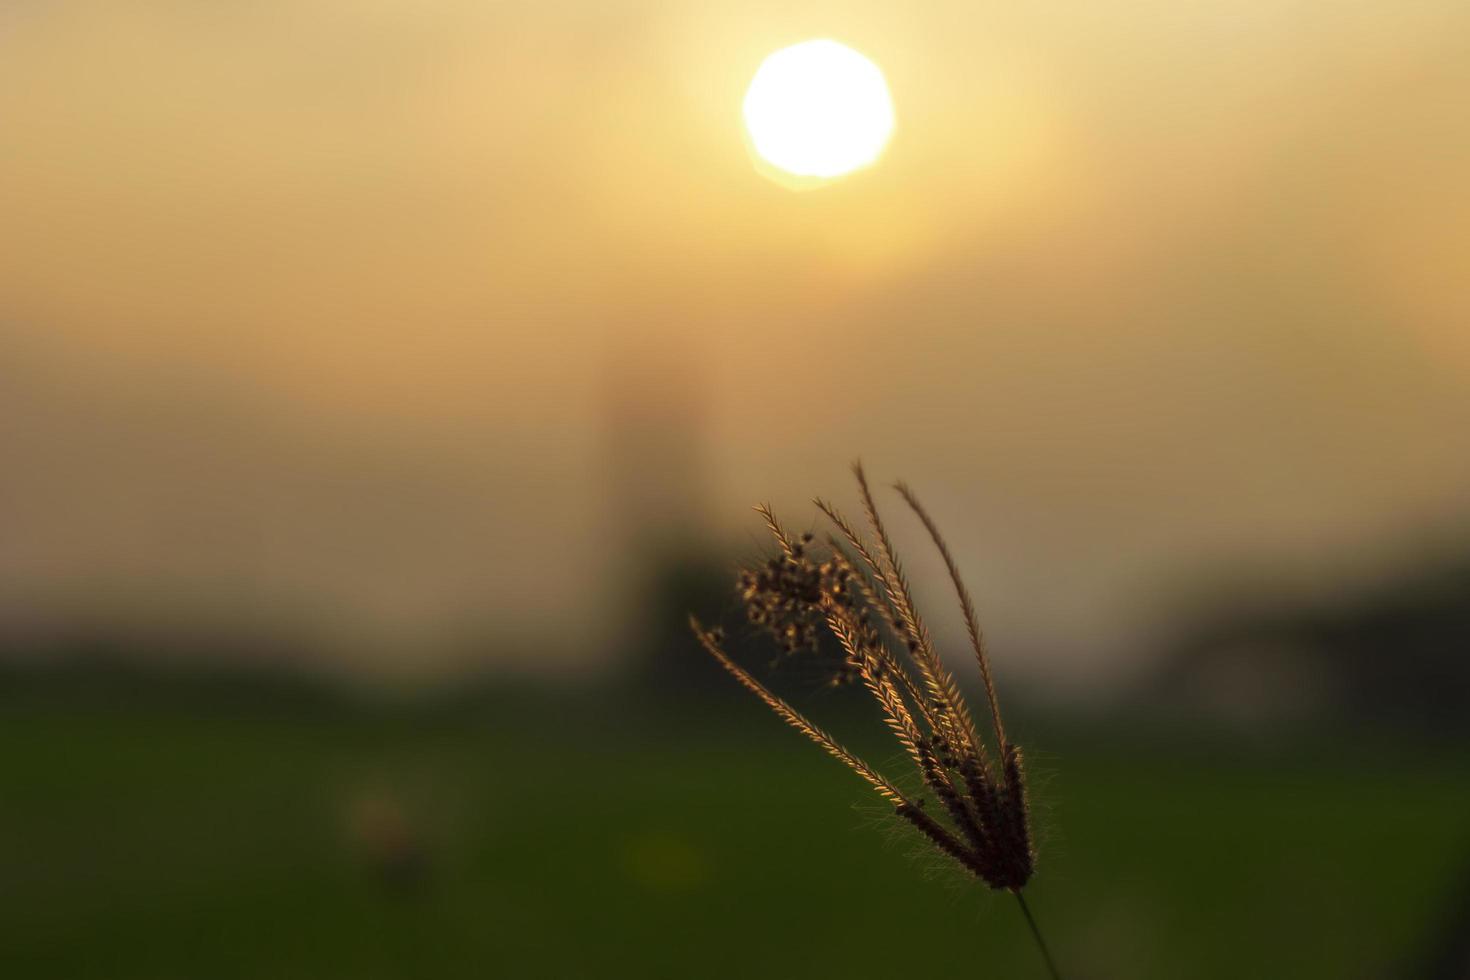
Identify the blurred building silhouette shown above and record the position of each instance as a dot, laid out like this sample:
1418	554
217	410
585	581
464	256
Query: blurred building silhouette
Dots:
1396	654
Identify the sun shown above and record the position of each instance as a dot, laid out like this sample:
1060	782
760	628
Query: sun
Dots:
818	109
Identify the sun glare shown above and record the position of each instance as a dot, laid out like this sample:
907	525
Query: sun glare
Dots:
818	109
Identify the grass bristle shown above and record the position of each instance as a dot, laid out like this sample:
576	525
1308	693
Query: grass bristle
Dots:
863	599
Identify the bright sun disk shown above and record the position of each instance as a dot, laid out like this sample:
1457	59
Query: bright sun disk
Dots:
818	109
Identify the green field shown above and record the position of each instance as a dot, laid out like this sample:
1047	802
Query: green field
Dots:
143	840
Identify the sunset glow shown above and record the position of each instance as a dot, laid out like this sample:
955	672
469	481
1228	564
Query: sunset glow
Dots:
818	109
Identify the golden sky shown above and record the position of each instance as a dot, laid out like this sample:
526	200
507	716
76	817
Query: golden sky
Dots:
308	300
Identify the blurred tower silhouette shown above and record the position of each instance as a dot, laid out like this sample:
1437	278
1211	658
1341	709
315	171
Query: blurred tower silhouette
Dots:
653	444
654	459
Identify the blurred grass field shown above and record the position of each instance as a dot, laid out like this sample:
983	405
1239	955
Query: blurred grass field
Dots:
145	836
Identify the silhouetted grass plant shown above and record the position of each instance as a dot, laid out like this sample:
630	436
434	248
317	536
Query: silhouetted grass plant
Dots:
857	591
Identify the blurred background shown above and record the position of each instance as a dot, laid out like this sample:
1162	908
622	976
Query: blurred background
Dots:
381	383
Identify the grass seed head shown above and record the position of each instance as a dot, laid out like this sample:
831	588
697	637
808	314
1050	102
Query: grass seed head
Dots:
867	605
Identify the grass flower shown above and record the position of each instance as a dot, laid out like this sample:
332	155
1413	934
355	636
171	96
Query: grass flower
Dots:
856	590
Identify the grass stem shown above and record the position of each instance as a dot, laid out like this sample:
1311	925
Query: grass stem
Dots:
1051	964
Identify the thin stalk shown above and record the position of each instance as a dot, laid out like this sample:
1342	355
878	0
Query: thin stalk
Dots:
1051	964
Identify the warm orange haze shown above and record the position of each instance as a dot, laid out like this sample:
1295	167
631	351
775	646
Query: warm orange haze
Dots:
305	303
385	390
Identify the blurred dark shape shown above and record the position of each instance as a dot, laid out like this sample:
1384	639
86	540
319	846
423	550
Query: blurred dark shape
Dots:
664	658
208	670
1447	954
1397	654
387	843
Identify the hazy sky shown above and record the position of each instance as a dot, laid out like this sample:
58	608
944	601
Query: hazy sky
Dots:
322	312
